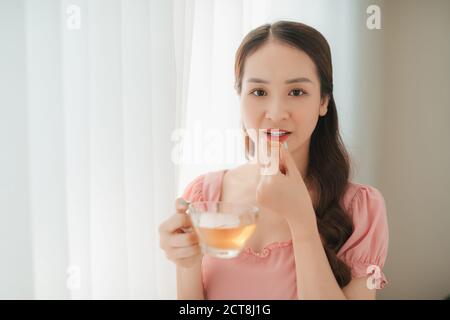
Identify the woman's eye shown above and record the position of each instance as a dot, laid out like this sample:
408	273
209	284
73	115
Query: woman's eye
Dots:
298	92
258	92
295	92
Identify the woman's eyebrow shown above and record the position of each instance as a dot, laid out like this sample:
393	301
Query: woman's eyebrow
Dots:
295	80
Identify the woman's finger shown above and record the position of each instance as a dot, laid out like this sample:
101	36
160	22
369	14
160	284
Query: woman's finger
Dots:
273	167
181	205
287	163
183	240
177	221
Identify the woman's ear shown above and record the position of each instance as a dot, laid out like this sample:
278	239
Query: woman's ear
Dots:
323	109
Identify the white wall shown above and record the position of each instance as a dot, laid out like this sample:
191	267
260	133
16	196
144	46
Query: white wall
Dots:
414	161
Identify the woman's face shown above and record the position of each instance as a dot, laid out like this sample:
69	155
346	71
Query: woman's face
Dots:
281	90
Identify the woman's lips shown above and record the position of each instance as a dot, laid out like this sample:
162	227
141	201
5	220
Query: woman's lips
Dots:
280	138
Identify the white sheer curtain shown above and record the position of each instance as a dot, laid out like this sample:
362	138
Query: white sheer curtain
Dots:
91	93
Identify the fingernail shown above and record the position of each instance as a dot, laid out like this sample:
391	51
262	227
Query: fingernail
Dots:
285	145
183	202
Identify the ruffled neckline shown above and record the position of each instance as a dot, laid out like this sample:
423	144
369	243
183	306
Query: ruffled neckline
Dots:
265	252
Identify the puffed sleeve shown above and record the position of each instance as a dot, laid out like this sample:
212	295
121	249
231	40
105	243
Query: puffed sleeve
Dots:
194	190
365	251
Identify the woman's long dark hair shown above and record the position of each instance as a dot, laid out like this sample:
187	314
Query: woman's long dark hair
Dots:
329	164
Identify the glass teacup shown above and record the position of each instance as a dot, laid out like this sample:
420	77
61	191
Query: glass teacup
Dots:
223	228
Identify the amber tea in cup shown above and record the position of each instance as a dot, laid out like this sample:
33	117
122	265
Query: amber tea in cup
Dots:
223	228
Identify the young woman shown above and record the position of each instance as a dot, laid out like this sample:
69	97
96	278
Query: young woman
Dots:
318	236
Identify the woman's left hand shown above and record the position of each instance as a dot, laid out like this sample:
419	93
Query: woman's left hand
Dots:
284	190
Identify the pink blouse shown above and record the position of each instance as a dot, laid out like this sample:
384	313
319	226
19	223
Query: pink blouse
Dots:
271	273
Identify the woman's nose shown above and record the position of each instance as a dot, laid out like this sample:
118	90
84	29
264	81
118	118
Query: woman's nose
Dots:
277	113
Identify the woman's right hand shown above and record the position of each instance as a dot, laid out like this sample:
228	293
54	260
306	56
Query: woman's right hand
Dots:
181	246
